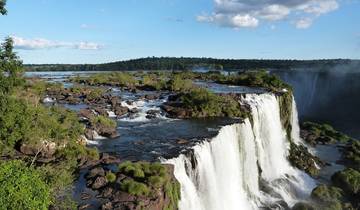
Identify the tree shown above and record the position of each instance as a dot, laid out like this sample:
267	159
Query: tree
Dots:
11	68
22	187
2	7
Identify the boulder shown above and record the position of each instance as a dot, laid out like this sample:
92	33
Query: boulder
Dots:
99	183
97	171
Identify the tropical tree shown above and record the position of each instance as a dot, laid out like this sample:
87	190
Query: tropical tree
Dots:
2	7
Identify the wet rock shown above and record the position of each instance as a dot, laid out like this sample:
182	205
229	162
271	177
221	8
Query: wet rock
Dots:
85	206
107	206
99	183
89	134
151	114
182	141
152	97
120	110
85	196
108	159
101	111
98	171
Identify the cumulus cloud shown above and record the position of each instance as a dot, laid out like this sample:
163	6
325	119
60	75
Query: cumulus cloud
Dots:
34	44
250	13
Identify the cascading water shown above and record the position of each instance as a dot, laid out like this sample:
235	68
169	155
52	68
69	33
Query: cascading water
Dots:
244	167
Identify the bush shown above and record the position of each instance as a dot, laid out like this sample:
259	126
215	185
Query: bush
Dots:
177	83
134	188
22	187
110	176
104	121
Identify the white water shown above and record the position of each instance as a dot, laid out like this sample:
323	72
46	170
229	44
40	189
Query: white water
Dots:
226	175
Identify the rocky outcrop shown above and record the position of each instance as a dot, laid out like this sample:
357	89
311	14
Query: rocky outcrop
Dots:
134	186
301	158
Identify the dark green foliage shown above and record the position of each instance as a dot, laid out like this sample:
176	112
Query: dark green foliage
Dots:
301	158
134	187
325	194
22	187
171	63
351	154
110	177
10	68
326	132
2	7
116	79
145	178
204	103
348	180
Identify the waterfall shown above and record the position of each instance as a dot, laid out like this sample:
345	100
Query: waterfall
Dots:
244	167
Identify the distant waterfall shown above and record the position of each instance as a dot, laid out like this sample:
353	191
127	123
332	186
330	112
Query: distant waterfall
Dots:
244	167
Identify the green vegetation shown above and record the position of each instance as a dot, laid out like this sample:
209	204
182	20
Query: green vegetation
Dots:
121	79
325	133
348	180
204	103
144	178
177	83
22	187
34	184
326	194
2	7
171	63
102	121
110	177
286	105
351	154
134	188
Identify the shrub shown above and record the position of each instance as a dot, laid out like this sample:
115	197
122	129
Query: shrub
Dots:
156	181
134	188
104	121
177	83
110	176
22	187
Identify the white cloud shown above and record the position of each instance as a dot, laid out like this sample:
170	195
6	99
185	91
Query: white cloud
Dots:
303	23
39	43
250	13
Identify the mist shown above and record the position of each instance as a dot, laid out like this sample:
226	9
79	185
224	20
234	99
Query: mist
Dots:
328	95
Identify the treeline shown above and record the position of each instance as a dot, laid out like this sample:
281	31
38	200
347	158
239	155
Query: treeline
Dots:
172	63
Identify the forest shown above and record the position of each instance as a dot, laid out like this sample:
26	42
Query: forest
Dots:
182	63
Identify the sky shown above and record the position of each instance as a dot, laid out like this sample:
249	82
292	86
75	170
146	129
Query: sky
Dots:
99	31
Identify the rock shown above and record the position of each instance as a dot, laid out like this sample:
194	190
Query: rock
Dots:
107	206
82	141
182	141
108	159
107	192
151	97
86	113
134	110
98	171
101	111
348	180
120	110
72	100
85	196
89	134
99	183
85	206
46	149
151	114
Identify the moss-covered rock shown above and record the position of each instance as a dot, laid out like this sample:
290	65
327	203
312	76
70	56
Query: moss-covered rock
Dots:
315	133
351	154
348	180
325	194
300	157
303	206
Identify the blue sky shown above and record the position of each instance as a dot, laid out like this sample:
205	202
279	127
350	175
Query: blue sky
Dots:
97	31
